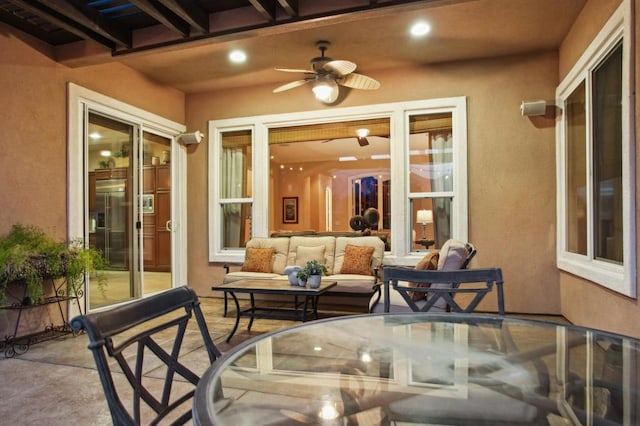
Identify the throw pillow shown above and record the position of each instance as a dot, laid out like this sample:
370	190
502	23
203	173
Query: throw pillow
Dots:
357	260
305	254
258	259
428	262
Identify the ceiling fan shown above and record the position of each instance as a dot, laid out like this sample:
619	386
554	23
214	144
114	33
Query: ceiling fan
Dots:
327	74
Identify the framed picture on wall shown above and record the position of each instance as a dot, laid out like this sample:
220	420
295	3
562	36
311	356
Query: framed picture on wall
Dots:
289	209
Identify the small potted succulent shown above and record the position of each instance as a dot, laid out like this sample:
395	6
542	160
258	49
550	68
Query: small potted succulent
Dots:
314	270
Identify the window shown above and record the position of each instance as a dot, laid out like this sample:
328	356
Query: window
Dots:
337	165
348	158
596	238
233	188
431	177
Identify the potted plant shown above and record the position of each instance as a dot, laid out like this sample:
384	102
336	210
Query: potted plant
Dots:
29	257
314	271
302	277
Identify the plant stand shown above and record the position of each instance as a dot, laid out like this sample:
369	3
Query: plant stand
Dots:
17	345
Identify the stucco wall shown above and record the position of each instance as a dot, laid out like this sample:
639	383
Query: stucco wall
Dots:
583	302
33	126
511	162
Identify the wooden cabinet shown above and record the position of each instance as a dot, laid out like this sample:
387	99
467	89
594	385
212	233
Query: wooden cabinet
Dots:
156	225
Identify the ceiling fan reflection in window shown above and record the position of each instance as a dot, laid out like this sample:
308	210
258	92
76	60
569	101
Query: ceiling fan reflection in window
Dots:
326	75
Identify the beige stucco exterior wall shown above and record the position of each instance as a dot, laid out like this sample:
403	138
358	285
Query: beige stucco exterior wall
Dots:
33	125
511	163
583	302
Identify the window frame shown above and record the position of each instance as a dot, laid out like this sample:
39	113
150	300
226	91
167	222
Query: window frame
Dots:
616	277
397	113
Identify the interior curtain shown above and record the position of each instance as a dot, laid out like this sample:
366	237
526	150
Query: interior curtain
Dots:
442	157
233	174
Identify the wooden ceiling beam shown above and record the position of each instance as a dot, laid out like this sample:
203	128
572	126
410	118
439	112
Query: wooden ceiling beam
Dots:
89	18
290	7
267	8
63	21
190	12
163	16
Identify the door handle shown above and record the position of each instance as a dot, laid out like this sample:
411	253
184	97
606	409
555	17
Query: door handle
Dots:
167	225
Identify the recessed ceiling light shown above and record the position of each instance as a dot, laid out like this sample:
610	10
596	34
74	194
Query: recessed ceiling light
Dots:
94	135
347	158
420	29
105	153
237	56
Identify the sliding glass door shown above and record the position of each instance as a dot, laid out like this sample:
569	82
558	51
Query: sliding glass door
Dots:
129	208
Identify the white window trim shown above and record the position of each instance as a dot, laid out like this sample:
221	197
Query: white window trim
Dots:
619	278
398	115
77	222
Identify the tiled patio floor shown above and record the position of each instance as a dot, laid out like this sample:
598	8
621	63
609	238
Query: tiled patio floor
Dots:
55	382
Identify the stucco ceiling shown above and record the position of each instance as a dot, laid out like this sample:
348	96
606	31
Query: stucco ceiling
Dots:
373	40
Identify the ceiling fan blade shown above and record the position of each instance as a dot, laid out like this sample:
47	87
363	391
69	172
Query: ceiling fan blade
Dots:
363	141
296	70
291	85
359	81
340	67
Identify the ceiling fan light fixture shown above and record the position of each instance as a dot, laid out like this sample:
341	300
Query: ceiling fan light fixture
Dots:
324	91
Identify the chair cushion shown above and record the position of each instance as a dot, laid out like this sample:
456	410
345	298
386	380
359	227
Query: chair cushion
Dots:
305	254
428	262
258	259
452	255
357	260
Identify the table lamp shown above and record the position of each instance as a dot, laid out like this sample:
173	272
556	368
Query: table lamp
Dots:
424	217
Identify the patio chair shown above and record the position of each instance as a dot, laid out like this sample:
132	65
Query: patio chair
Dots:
454	255
443	287
146	338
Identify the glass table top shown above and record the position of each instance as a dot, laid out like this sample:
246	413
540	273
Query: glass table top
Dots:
424	369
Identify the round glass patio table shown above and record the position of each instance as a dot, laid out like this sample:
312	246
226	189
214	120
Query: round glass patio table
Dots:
424	369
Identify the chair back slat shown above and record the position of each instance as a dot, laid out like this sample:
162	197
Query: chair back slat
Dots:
143	335
482	281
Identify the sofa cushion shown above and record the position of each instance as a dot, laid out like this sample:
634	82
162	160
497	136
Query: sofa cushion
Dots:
258	259
429	263
305	254
329	244
357	260
372	241
281	248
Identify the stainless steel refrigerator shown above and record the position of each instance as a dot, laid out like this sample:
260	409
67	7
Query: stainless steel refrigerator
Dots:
111	221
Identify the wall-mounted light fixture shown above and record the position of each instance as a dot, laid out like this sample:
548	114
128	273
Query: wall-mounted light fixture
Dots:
529	108
191	138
